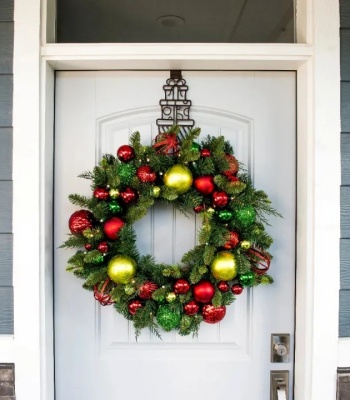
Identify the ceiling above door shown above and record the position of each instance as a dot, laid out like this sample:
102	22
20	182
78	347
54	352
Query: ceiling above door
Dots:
182	21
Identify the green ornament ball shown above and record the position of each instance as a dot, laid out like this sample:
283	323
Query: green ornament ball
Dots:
129	289
167	318
195	146
224	215
126	172
98	259
245	215
247	279
115	207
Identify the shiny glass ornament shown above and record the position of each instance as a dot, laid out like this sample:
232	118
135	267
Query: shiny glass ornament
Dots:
178	177
103	247
129	196
195	146
114	193
223	286
112	227
80	220
247	279
224	266
203	292
191	308
224	215
204	184
121	269
133	306
205	153
115	207
212	314
181	286
237	289
125	153
170	297
220	199
101	193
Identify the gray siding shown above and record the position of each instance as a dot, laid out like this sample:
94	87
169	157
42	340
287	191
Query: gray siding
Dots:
6	88
344	294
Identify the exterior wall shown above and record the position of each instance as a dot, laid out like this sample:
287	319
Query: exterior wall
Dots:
344	306
6	79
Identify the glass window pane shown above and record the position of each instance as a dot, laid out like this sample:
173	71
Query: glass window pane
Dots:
181	21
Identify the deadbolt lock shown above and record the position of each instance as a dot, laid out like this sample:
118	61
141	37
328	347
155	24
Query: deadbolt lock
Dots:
280	348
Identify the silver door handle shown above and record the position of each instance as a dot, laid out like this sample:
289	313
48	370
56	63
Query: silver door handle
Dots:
279	381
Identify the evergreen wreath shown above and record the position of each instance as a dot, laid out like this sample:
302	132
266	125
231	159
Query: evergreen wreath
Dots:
232	250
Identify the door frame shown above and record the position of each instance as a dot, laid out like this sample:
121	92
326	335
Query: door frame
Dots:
315	58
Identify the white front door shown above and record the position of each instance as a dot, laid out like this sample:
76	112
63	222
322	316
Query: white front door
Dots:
96	355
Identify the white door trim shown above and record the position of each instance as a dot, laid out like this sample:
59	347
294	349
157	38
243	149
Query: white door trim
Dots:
317	66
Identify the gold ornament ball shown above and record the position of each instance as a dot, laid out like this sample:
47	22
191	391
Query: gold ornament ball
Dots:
178	177
245	244
121	269
156	191
170	297
224	266
114	193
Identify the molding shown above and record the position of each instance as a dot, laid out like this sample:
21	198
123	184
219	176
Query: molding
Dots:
344	353
7	349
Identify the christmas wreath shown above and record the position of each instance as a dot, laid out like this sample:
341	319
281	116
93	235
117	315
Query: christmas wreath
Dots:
232	250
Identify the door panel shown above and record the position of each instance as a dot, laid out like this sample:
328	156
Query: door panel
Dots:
96	352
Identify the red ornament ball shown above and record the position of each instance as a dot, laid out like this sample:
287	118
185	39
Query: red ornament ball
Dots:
233	165
80	220
212	314
191	308
205	153
232	241
146	290
204	184
181	286
133	306
125	153
103	247
237	289
203	291
88	246
128	195
146	174
223	286
220	199
101	193
199	208
112	227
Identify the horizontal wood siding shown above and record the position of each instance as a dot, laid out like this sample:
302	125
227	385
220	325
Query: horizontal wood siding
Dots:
344	295
6	47
6	95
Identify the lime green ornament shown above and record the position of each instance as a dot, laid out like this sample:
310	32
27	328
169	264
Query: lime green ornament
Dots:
126	172
115	207
167	318
156	191
178	177
245	244
129	289
170	297
114	193
245	215
247	279
224	215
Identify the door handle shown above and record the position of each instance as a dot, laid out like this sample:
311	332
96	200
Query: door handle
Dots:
279	383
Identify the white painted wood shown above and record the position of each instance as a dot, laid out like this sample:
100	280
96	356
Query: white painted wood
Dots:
27	108
344	352
256	112
7	348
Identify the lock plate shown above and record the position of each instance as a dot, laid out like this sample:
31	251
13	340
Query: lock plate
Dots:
279	381
280	347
